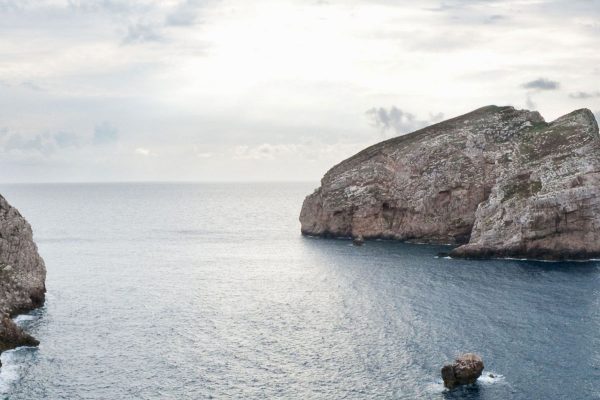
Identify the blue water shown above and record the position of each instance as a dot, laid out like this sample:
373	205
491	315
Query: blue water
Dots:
185	291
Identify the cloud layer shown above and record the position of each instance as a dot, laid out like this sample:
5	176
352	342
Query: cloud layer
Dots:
102	90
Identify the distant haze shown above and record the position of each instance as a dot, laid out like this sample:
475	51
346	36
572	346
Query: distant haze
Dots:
107	90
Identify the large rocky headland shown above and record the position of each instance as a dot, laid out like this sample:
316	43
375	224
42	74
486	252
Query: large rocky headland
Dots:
496	182
22	276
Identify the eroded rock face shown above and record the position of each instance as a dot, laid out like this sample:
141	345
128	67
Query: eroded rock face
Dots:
463	371
22	275
548	206
499	181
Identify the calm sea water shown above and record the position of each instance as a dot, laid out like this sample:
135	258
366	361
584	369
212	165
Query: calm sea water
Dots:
185	291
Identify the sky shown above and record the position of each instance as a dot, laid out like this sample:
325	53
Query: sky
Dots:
281	90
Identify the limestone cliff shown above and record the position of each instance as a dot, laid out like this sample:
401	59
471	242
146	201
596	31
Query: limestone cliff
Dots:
499	182
22	275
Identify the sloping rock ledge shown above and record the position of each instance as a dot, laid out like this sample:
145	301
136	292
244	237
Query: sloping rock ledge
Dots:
496	182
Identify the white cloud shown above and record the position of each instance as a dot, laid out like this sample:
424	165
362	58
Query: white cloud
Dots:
398	121
142	151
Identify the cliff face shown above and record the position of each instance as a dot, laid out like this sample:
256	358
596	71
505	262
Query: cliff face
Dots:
498	181
22	275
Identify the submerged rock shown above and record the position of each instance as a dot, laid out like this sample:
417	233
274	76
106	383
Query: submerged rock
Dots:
499	182
22	276
464	371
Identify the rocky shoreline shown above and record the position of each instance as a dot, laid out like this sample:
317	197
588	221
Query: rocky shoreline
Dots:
22	276
496	182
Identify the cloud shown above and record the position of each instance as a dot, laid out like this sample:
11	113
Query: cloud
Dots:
142	151
185	14
42	143
141	18
471	12
450	5
180	18
139	33
67	139
265	151
296	152
541	84
109	6
440	41
584	95
32	86
39	143
492	19
397	120
394	118
12	5
47	143
281	93
105	133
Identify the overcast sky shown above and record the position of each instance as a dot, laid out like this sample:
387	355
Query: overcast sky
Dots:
209	90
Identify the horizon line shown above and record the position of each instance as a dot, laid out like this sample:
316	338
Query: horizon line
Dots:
155	182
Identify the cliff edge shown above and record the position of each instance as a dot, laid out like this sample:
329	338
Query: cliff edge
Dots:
496	182
22	276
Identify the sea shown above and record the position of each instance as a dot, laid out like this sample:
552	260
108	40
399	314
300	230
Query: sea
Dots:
209	291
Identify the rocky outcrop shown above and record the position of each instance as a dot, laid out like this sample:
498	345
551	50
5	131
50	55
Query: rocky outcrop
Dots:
22	275
12	336
499	182
463	371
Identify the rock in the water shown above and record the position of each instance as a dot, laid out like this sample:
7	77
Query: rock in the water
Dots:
464	371
358	241
499	182
12	336
22	276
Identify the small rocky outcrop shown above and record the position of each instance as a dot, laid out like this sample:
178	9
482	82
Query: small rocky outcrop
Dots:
12	336
463	371
358	241
496	182
22	276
